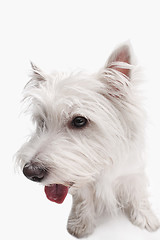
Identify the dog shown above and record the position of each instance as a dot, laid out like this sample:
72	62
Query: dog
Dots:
89	141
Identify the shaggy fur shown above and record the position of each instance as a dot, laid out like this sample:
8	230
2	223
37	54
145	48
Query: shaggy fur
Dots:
102	163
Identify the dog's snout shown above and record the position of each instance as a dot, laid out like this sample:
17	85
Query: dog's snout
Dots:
34	172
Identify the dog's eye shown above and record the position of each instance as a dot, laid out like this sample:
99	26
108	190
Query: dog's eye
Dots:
79	122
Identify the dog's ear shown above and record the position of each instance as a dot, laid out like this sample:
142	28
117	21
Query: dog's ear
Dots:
37	73
120	60
38	77
116	74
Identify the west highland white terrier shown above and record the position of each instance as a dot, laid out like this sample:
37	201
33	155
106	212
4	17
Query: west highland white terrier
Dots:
89	141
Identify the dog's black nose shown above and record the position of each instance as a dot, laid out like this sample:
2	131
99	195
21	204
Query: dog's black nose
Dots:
34	171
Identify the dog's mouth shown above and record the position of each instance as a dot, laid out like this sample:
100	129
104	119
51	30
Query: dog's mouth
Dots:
56	192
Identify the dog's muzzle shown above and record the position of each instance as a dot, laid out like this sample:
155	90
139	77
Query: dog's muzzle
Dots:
34	171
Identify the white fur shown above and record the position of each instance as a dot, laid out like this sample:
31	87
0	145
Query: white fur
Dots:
105	160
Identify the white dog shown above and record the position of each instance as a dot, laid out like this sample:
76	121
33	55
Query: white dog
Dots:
89	140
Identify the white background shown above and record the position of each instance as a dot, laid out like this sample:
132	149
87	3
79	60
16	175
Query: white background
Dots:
66	35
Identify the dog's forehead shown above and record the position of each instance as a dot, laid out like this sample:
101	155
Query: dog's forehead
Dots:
75	82
65	93
62	86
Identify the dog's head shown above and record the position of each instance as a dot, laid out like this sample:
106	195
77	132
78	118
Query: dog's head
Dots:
84	123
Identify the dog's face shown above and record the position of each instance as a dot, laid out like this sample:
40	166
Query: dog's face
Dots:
80	125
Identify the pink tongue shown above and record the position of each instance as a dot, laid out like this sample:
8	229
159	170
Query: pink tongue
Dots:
56	192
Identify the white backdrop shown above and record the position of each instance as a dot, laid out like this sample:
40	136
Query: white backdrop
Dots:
66	35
